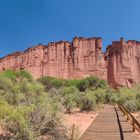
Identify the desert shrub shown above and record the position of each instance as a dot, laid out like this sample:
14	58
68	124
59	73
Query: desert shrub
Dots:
91	82
95	82
101	84
30	122
125	94
19	92
87	101
24	74
6	83
113	97
26	111
14	119
129	98
137	97
9	73
50	82
66	96
90	100
14	75
138	100
71	82
131	105
101	96
46	117
82	85
84	103
69	95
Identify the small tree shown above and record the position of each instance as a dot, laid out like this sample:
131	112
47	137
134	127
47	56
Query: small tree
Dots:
87	101
95	82
50	82
69	96
82	85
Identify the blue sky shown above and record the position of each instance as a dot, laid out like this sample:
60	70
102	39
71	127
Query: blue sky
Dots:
25	23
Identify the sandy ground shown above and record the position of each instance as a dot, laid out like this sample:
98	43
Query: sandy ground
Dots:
81	120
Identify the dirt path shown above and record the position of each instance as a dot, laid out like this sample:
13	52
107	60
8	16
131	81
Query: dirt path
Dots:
81	120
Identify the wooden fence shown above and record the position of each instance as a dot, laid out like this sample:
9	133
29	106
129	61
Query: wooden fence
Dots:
130	117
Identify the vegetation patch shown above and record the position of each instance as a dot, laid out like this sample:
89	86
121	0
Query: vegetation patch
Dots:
31	109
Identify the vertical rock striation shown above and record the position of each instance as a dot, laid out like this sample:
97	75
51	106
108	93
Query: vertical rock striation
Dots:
31	60
82	57
88	58
123	63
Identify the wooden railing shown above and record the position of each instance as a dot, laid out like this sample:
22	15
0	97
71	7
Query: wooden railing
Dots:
72	134
130	117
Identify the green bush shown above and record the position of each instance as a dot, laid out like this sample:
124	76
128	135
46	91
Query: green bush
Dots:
101	96
125	94
9	74
82	85
71	82
88	83
87	101
50	82
138	100
131	105
24	74
69	95
113	97
66	96
95	82
14	75
26	111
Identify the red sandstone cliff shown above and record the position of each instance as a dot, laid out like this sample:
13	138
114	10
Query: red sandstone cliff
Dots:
82	57
79	59
30	59
88	58
124	63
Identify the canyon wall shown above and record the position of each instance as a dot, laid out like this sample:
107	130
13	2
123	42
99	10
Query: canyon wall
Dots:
80	58
123	63
31	60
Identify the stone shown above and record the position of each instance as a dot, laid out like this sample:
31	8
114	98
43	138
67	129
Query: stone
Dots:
88	58
83	57
30	60
123	63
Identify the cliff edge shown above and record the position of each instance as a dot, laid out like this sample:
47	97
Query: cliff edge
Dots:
119	66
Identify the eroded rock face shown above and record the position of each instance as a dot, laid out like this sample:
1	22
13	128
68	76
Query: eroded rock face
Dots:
82	57
31	60
123	63
88	58
76	60
79	59
57	61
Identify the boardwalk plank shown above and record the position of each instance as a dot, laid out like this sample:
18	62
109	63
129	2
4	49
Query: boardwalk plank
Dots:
110	124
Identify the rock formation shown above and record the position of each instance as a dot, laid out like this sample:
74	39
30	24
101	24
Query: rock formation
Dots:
30	59
87	58
123	63
82	57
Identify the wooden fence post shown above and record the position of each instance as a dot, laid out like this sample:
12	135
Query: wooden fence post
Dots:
72	134
131	118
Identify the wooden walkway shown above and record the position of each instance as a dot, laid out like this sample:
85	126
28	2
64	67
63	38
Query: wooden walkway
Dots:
110	124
